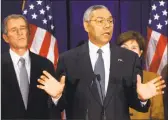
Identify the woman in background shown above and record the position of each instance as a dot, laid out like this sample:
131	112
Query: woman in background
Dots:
135	42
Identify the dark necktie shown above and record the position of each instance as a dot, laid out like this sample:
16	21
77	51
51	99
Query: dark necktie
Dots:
100	74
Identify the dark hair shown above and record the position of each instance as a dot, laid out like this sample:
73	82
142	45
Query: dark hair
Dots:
131	35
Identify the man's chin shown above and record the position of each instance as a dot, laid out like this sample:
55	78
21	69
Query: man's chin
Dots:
105	40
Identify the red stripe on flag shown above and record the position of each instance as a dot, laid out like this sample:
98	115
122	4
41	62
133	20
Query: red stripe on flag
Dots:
45	45
55	54
33	29
149	32
158	54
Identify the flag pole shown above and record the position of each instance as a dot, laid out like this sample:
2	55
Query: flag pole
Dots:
23	4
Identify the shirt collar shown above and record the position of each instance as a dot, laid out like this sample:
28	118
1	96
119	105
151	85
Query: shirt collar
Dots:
93	48
15	57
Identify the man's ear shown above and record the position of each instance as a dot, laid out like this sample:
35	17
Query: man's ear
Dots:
5	37
86	26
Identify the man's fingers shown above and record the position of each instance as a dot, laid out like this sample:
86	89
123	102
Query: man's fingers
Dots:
47	74
156	79
159	83
159	93
62	80
44	78
41	87
41	81
160	87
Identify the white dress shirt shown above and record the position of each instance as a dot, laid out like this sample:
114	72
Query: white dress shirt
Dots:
106	57
15	59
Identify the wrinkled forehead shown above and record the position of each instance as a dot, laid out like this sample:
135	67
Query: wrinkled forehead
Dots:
16	22
102	13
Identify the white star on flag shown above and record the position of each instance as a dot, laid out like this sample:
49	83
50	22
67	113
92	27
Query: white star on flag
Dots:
44	21
150	21
164	12
42	11
162	3
34	16
39	2
47	7
166	22
31	7
156	17
50	17
52	27
25	12
154	7
159	26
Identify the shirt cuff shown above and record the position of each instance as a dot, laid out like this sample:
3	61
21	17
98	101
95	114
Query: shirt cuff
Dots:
143	103
55	101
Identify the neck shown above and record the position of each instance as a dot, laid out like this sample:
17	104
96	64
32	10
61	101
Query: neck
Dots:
98	44
20	52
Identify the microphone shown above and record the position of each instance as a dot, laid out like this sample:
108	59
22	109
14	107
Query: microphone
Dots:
101	94
93	80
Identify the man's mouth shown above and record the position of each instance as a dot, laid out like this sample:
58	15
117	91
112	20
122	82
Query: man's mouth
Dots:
106	33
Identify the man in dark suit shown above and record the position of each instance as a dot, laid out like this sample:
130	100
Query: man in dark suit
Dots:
101	79
21	99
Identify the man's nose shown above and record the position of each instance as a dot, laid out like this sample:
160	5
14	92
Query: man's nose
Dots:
19	32
106	24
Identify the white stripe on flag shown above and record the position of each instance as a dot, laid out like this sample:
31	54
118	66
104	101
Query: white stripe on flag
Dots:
163	61
50	54
152	47
38	40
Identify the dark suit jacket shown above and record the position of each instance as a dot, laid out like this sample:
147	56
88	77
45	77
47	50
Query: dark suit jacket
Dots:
81	99
39	103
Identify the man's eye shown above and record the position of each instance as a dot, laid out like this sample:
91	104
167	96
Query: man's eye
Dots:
22	28
110	21
13	30
100	21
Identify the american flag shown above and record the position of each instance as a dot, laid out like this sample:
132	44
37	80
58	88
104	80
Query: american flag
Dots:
42	29
157	36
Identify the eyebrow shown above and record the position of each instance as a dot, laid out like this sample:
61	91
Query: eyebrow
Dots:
107	18
20	26
13	28
23	25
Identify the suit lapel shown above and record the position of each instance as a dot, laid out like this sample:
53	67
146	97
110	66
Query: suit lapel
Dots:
33	81
84	62
12	79
113	66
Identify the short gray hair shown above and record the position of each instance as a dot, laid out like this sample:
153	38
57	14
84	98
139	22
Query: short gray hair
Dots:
12	16
88	12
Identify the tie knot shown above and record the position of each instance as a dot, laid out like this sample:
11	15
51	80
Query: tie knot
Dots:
22	61
99	51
